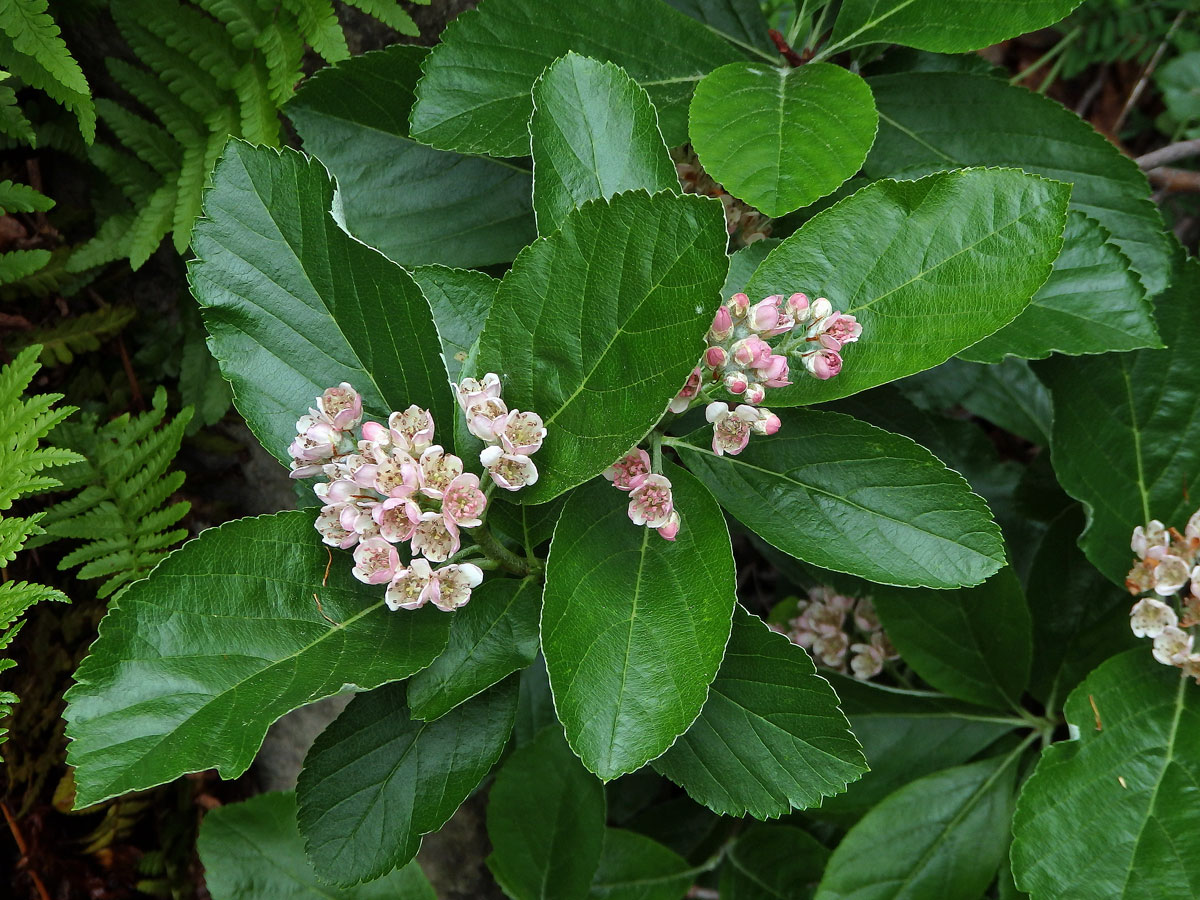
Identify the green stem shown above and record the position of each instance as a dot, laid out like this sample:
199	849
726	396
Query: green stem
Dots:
656	438
501	555
1047	56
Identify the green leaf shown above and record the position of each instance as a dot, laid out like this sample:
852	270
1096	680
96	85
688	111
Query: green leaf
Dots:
595	134
460	300
942	836
780	138
1125	443
17	197
930	122
194	663
529	526
942	26
597	326
635	867
905	736
294	305
773	862
633	626
416	204
741	21
1080	619
491	637
973	643
376	780
770	737
663	50
847	496
1007	394
252	850
1093	302
545	819
1115	802
929	267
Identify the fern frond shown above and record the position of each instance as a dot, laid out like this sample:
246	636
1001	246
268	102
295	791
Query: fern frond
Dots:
151	225
120	511
180	120
13	122
17	197
243	19
181	75
80	334
136	180
18	264
259	115
149	142
53	278
283	51
186	31
32	48
390	13
319	26
107	244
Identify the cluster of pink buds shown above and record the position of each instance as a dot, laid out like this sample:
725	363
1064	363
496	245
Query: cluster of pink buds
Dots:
512	436
833	627
650	501
744	223
390	487
1168	572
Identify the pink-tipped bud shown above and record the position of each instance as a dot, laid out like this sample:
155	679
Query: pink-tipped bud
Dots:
768	422
739	305
765	315
744	351
715	357
754	394
797	306
722	324
821	309
375	433
736	383
775	373
671	529
823	364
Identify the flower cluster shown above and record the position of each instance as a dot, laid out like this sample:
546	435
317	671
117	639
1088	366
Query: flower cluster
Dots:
512	436
1167	569
744	223
650	501
831	627
391	485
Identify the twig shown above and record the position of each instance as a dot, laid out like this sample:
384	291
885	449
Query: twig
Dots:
1093	91
699	893
1136	93
23	849
781	44
1175	180
1169	154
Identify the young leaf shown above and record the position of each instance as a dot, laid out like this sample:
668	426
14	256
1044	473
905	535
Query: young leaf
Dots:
770	737
942	26
780	138
929	267
546	821
1115	801
973	643
595	134
844	495
1093	302
773	862
663	50
935	121
633	626
1124	442
376	780
416	204
230	632
635	867
942	836
294	305
252	850
492	636
460	300
905	736
598	325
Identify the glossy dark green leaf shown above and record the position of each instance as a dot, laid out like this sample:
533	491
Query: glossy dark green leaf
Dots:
844	495
770	737
633	626
942	836
973	643
460	300
376	780
512	41
635	867
1116	804
546	822
1093	302
597	326
194	663
943	26
1007	394
492	636
935	121
416	204
595	134
294	305
906	735
528	526
773	862
741	21
1125	441
535	708
779	138
928	267
252	850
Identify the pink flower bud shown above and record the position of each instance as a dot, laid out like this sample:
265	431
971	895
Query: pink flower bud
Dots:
765	315
374	433
681	401
775	372
823	364
670	530
738	306
736	383
767	423
821	309
754	394
715	357
797	306
722	325
375	561
630	470
651	503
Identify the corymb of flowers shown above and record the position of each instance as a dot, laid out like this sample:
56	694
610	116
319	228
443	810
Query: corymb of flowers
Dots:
391	485
739	360
1167	572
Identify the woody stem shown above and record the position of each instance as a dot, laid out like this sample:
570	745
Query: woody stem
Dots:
493	549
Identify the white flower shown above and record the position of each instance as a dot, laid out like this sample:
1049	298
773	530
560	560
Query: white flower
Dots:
1150	617
1170	575
1173	646
1145	540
